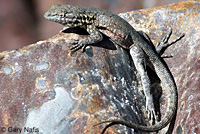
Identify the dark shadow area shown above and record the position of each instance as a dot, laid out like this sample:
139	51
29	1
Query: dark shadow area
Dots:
76	30
105	43
156	90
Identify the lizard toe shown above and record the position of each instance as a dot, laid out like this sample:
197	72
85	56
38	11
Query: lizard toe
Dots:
76	47
151	112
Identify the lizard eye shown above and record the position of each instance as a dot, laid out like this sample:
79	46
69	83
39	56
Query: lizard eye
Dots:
62	14
69	15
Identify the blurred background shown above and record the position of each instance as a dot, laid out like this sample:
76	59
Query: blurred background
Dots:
22	21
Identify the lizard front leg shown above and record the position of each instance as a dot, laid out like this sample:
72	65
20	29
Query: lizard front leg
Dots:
139	60
94	37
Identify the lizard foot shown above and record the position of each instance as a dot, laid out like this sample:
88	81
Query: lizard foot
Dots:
164	44
151	111
77	46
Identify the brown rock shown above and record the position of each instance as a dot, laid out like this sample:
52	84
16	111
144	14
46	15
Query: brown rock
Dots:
47	88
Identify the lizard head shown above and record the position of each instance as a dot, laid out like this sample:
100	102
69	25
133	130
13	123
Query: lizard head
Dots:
67	15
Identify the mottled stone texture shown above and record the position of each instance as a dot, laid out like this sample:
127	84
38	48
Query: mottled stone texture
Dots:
44	87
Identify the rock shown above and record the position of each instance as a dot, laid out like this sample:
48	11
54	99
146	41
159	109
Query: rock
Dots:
47	88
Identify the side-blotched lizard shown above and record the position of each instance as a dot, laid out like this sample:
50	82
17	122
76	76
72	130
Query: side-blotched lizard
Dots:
98	22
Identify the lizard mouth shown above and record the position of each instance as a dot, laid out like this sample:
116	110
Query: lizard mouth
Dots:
49	17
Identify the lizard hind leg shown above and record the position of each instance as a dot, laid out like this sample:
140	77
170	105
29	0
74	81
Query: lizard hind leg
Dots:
164	44
138	57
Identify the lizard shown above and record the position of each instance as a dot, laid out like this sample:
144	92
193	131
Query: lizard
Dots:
98	22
